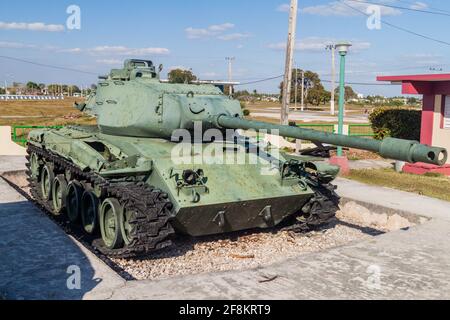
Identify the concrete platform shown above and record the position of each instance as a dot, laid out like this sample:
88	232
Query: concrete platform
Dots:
7	146
36	256
413	264
12	163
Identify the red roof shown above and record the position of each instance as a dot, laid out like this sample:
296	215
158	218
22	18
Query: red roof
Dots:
421	77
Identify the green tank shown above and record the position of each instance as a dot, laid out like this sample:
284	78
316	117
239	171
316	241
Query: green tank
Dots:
168	159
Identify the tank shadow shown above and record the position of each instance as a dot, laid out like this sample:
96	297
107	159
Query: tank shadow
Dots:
38	261
17	181
366	230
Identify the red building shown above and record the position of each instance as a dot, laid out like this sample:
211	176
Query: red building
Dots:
435	129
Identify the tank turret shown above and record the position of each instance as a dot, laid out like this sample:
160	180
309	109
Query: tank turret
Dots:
134	102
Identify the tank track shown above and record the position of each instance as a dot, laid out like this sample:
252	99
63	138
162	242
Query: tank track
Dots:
319	211
151	220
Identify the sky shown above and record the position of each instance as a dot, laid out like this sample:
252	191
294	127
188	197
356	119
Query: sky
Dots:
199	34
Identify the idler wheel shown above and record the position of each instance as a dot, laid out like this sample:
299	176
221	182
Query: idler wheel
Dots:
126	226
73	201
89	212
47	177
35	167
59	192
110	213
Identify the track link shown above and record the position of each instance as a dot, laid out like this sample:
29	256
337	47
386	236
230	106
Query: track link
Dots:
151	228
320	210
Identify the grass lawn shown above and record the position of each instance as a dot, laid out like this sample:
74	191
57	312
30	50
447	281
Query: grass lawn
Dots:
434	186
44	113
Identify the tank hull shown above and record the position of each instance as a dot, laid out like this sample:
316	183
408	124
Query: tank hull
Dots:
232	197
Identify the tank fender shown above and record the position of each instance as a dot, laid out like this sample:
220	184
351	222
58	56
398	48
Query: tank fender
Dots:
325	171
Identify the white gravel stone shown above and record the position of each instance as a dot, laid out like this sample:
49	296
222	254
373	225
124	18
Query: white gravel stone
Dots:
250	250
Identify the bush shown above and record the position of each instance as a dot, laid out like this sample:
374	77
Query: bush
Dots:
401	123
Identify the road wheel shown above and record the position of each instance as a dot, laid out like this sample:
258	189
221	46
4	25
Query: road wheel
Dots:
59	192
35	167
126	226
47	177
73	201
110	213
89	212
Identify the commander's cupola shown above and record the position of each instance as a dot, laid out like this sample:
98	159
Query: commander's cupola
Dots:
134	69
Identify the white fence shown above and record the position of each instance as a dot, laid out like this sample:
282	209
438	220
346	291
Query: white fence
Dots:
23	97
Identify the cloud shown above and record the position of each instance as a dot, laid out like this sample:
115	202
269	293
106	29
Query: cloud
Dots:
233	36
72	50
427	59
118	50
221	27
211	31
316	44
217	31
178	68
284	7
125	51
336	8
36	26
109	61
209	75
16	45
422	55
419	6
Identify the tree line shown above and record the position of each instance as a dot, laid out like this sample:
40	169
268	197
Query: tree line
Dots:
314	92
40	88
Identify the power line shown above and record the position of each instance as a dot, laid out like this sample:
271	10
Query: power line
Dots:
47	65
262	80
322	80
397	27
415	3
429	67
360	83
402	8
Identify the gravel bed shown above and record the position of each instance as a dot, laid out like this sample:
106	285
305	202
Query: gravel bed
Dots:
246	250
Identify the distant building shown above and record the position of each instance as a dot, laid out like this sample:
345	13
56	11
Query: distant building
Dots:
435	128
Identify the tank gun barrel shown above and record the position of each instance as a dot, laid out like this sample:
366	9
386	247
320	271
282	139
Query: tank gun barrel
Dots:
397	149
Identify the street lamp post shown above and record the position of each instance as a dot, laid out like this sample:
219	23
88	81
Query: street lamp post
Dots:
342	48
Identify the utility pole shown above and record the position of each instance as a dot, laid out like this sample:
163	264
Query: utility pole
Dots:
332	48
303	90
230	72
296	88
289	61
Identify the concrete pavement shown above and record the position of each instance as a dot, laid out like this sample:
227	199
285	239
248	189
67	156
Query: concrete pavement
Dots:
12	163
37	259
36	256
401	265
370	164
7	146
406	264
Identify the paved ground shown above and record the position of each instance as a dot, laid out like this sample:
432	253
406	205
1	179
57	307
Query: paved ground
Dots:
35	256
12	163
370	164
